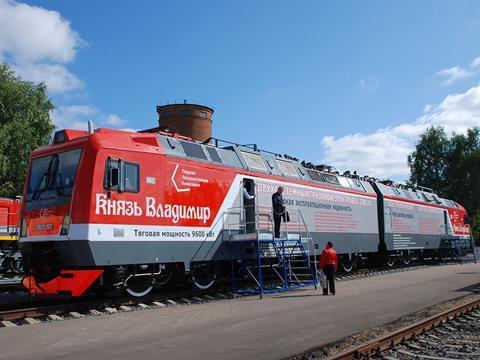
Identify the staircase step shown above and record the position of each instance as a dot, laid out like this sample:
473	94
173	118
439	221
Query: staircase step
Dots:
292	259
303	275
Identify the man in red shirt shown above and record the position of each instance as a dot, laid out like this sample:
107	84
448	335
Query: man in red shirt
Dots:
328	262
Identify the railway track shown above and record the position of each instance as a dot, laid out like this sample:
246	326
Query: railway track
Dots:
14	284
452	334
37	312
381	270
31	311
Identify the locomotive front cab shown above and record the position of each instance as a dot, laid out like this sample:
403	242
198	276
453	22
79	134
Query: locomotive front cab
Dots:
50	188
48	194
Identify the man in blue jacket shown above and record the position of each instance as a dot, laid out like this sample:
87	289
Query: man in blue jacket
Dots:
278	209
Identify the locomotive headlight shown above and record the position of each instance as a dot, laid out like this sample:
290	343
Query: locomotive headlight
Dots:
23	228
65	225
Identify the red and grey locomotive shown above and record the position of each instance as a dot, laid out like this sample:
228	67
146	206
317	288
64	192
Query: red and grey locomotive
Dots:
126	209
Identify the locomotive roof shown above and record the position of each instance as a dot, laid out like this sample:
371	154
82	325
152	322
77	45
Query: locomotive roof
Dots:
416	195
249	157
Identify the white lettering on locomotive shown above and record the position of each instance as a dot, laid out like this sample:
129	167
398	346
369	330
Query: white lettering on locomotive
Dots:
314	194
105	206
176	212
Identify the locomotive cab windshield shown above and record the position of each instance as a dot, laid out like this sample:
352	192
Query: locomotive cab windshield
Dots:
52	179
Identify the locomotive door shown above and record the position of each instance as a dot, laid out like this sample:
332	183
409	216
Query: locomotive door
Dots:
447	228
249	198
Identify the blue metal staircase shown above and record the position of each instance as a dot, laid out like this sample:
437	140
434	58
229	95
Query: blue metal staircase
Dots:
274	264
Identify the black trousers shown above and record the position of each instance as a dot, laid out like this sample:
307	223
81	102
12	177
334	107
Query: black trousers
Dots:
329	271
277	219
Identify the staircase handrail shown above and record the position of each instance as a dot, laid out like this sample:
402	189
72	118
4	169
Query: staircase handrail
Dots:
241	224
310	241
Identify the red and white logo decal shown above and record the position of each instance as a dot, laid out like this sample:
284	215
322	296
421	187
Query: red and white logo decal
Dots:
184	179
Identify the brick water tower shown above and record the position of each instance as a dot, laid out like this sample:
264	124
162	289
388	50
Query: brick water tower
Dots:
190	120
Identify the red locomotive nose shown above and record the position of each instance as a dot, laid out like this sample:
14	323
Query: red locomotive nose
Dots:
72	282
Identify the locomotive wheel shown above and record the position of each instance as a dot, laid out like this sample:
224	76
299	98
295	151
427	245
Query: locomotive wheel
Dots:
3	266
390	261
406	259
164	277
204	275
347	265
139	287
15	266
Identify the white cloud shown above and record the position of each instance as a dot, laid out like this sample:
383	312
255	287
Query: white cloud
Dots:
57	78
114	120
73	116
129	129
384	152
475	62
453	74
77	117
31	33
369	83
39	42
456	73
457	112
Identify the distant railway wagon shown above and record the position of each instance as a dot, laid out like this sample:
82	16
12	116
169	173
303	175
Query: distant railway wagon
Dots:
114	208
9	219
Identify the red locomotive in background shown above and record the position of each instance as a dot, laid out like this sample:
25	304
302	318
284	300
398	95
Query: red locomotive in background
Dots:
10	258
119	209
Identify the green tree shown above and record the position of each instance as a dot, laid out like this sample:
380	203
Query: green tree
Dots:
463	169
451	167
427	162
24	125
475	223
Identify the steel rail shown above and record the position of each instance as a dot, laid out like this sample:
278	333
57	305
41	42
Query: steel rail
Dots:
375	346
38	307
38	310
41	308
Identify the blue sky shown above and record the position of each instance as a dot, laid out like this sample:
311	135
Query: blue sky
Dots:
346	82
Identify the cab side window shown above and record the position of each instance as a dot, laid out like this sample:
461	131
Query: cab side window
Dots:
121	176
130	177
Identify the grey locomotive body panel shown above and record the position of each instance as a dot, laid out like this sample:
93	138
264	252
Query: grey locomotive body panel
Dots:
412	226
347	219
411	222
